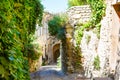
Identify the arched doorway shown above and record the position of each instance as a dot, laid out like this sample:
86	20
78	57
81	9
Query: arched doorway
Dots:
56	52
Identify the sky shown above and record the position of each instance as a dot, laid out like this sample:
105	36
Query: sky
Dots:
54	6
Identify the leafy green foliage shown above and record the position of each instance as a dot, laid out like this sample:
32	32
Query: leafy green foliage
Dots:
76	2
56	26
17	24
79	31
98	10
96	63
35	52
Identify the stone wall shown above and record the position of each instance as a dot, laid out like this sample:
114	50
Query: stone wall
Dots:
105	47
108	43
89	45
79	14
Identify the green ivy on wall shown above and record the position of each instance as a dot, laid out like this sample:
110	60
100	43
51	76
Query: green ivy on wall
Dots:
17	24
98	11
79	31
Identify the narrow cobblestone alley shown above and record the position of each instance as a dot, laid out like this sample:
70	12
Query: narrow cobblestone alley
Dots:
52	72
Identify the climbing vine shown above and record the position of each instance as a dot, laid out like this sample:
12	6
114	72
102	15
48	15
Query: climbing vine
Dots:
79	31
17	25
98	11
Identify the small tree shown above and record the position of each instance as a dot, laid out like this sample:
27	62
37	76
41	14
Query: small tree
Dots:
56	26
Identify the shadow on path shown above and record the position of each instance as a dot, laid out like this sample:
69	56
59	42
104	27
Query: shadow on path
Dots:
52	72
47	71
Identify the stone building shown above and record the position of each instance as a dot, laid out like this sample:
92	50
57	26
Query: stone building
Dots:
50	45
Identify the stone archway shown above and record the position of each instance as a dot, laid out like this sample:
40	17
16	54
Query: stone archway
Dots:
56	52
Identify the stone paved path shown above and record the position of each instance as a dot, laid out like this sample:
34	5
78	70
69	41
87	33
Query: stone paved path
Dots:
52	72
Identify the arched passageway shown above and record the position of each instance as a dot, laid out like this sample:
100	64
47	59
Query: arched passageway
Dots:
56	52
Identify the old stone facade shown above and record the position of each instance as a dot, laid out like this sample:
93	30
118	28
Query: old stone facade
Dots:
50	45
